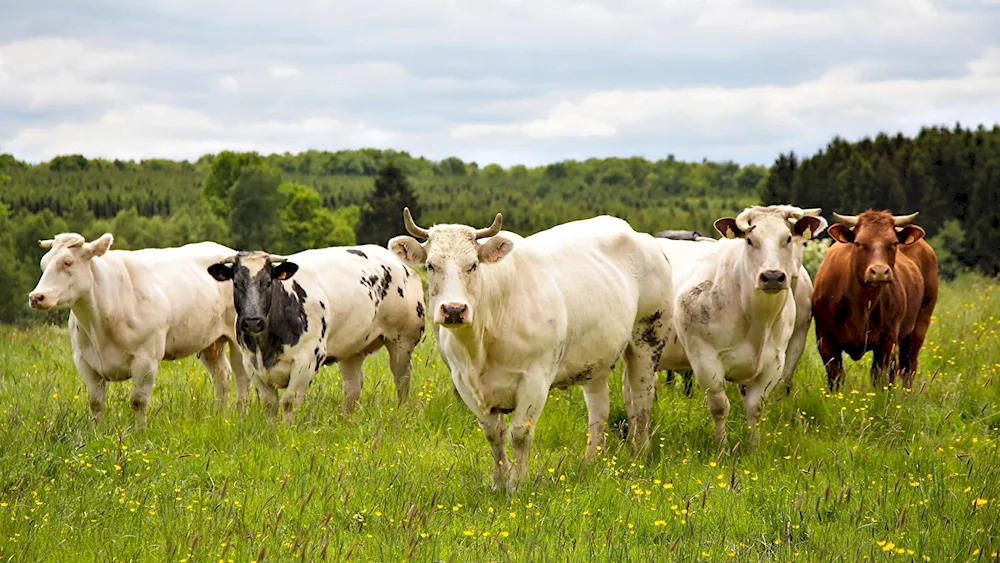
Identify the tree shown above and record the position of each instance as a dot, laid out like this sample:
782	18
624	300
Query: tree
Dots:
777	187
307	224
223	174
983	219
15	274
382	215
255	204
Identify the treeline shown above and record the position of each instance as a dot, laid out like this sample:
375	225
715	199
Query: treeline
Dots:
951	176
285	203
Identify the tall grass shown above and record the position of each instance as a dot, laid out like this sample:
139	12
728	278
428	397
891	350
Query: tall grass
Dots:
860	475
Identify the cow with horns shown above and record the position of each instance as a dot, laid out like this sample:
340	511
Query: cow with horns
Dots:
875	290
520	316
735	309
685	256
131	309
321	306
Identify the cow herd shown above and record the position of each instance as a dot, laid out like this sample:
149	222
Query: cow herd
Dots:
513	316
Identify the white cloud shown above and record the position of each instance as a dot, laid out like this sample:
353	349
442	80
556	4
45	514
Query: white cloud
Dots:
171	132
230	84
841	101
279	72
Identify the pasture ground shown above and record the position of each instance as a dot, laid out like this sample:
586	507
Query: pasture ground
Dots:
858	475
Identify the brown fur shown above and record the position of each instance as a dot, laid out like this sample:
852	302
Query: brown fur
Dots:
854	317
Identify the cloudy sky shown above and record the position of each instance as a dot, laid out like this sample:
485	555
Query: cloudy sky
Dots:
508	81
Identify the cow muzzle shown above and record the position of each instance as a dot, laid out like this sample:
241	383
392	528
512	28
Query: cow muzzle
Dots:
252	325
453	314
40	301
772	281
878	274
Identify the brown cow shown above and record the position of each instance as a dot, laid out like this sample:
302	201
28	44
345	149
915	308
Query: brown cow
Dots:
875	289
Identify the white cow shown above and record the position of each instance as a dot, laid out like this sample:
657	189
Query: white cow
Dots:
520	316
132	309
318	307
685	255
735	313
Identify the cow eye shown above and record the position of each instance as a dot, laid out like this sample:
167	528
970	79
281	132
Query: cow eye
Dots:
857	244
67	263
472	268
789	239
750	242
430	267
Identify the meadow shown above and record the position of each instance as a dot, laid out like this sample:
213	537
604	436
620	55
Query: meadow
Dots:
863	474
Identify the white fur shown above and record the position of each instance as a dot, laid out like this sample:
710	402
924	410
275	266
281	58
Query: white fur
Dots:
132	309
557	309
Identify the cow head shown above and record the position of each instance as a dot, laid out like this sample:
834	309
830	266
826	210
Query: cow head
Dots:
66	274
875	236
253	275
452	256
773	237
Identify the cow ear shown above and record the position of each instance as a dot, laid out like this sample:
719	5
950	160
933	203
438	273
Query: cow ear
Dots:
284	270
99	246
727	228
807	227
495	249
841	233
408	249
221	272
910	234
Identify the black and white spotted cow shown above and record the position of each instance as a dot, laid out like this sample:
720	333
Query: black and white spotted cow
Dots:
296	314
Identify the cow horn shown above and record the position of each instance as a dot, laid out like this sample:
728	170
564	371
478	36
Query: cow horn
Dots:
812	212
900	220
743	222
492	229
275	259
849	220
412	227
46	243
230	260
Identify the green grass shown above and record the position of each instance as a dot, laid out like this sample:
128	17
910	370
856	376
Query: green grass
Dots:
858	475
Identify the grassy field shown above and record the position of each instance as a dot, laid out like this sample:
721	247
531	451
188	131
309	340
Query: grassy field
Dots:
860	475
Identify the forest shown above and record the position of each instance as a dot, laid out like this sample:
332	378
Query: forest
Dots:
288	202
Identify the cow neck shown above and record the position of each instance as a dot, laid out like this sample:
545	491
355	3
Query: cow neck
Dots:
868	298
110	297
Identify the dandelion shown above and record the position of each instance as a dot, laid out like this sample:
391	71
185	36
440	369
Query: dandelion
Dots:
979	502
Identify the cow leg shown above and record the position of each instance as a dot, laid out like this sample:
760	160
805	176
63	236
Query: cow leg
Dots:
240	374
268	395
884	362
909	350
400	352
833	360
595	392
215	362
531	396
96	389
494	428
796	345
143	378
354	379
711	376
298	383
688	377
638	385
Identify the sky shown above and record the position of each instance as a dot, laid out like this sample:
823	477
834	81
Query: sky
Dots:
505	81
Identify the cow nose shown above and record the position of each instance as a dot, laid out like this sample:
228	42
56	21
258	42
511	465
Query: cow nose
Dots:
36	300
879	273
454	313
252	324
772	279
